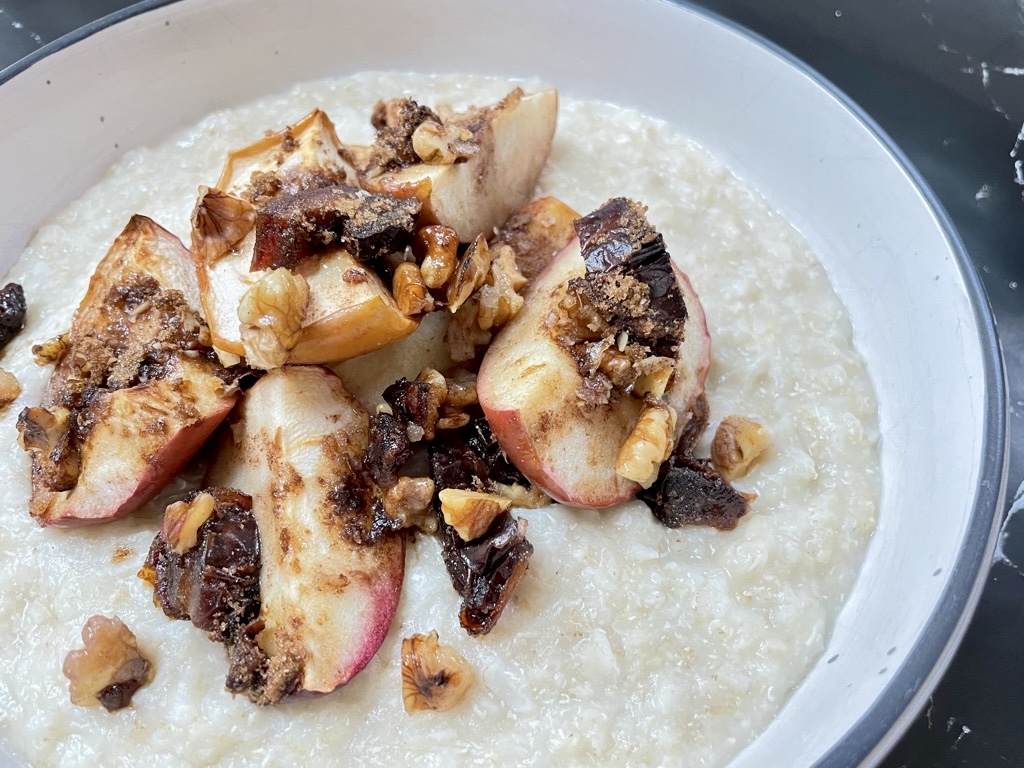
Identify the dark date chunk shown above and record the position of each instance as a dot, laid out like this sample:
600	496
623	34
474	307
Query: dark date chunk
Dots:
293	228
388	449
216	583
485	572
12	312
690	491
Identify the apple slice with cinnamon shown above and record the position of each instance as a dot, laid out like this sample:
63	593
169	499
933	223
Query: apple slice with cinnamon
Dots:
570	401
470	170
329	589
137	391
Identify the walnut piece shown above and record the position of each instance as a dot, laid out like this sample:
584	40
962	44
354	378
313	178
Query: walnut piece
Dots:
182	520
409	501
436	246
434	676
471	273
471	513
648	445
10	388
51	350
109	669
443	143
271	313
738	442
409	290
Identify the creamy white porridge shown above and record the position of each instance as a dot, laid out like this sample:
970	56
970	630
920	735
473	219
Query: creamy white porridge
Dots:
626	642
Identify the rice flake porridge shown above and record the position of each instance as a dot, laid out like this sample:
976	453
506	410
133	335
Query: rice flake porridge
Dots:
626	642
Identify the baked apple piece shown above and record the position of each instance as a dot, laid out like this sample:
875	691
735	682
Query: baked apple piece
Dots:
469	170
289	201
136	392
537	232
589	387
296	447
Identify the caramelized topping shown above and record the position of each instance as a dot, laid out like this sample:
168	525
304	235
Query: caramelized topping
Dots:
624	320
293	228
486	571
396	121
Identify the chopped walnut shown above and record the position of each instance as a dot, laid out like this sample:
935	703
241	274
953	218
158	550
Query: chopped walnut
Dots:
471	513
738	442
524	497
436	246
408	502
51	351
182	520
409	290
443	143
470	273
648	445
109	669
10	388
499	297
271	313
434	676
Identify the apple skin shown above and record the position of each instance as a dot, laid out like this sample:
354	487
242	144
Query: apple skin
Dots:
325	599
143	435
527	388
475	196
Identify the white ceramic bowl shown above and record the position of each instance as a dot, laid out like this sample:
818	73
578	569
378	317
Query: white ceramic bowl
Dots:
918	309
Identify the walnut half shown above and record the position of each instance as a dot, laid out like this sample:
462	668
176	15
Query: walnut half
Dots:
271	314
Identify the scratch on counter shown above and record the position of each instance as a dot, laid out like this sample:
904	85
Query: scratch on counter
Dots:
984	193
984	70
928	713
1000	555
1017	155
964	730
15	24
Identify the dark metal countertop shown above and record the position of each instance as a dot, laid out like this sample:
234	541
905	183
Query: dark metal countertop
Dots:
945	79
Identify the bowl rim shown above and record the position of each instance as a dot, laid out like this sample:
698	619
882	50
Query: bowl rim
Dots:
884	723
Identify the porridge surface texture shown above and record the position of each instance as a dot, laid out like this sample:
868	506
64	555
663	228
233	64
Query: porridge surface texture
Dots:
626	642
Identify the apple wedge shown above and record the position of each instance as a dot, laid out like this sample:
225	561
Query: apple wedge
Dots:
327	601
349	310
477	194
305	153
137	392
528	387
